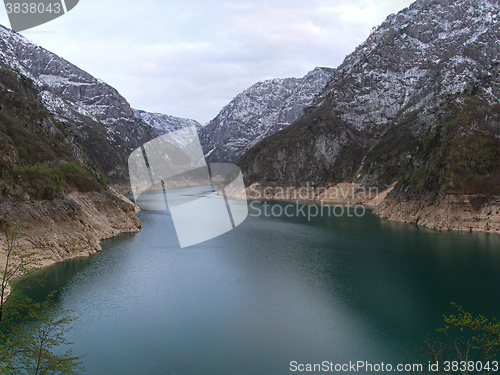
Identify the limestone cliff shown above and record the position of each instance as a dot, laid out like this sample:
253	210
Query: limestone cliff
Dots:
72	226
479	213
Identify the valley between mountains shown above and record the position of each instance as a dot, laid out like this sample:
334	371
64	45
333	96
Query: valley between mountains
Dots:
413	112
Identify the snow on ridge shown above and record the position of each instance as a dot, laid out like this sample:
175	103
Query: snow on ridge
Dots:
58	81
73	96
259	111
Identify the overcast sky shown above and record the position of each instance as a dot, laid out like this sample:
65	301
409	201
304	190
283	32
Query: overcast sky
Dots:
189	58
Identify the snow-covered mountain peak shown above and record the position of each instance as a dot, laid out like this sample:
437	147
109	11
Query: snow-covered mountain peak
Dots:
259	111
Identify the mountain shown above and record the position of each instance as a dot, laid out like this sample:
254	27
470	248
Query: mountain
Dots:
101	126
164	124
185	129
258	112
417	102
37	158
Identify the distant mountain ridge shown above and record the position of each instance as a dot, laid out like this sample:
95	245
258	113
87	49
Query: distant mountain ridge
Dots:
259	111
163	123
416	102
183	130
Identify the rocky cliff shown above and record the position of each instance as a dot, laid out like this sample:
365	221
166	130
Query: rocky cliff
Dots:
183	130
38	156
418	103
259	112
443	211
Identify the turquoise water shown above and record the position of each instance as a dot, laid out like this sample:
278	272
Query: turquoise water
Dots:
272	291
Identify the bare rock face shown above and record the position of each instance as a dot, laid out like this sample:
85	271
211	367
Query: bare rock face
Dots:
8	157
418	59
258	112
71	227
443	212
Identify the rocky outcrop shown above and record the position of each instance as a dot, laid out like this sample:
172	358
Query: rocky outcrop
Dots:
293	155
443	211
73	226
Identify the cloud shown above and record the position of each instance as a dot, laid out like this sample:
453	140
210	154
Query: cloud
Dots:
189	58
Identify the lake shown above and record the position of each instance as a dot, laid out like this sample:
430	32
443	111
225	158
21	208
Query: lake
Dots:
272	291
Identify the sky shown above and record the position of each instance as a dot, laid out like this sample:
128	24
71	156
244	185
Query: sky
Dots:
189	58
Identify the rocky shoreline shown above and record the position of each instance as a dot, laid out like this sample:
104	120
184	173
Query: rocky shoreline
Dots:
73	226
474	213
